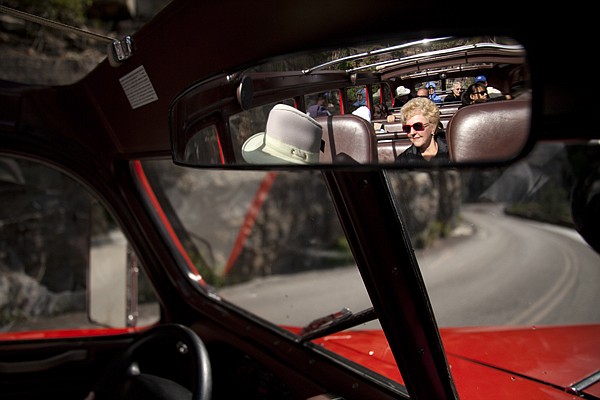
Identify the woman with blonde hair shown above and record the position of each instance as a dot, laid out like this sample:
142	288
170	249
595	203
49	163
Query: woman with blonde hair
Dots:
420	119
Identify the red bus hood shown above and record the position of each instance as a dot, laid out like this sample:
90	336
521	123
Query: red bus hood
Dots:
495	363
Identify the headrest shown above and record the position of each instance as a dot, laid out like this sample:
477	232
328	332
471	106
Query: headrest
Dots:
495	130
348	138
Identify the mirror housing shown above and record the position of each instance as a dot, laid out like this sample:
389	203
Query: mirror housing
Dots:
210	121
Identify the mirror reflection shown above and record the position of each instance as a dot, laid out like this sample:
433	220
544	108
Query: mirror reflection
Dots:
438	101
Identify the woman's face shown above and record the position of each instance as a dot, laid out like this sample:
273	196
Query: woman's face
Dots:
479	95
420	138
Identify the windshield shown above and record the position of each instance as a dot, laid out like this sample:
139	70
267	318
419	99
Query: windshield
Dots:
268	241
496	247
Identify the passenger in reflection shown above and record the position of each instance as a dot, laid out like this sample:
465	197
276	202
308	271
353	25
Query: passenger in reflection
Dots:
395	117
380	111
433	96
456	92
360	99
320	108
289	137
492	91
423	92
402	96
478	92
475	93
420	119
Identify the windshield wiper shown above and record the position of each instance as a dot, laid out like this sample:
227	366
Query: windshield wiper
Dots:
336	322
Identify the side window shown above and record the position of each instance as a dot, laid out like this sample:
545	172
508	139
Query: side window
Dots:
322	103
51	232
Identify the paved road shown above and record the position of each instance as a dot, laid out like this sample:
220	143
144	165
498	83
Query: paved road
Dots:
514	272
509	271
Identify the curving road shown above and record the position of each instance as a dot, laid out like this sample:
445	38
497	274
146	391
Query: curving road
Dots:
512	271
504	271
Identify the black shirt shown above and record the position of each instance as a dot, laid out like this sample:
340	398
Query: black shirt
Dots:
451	97
412	155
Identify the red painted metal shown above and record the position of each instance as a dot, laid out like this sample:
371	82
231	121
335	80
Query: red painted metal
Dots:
67	333
141	176
492	362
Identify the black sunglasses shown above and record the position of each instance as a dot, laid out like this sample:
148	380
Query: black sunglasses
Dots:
480	93
417	126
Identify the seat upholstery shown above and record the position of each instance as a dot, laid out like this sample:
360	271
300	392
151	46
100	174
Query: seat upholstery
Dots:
492	131
348	138
391	146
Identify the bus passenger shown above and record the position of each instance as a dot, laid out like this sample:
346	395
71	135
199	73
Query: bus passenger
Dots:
433	96
423	92
420	119
380	111
475	93
402	96
456	92
319	108
492	91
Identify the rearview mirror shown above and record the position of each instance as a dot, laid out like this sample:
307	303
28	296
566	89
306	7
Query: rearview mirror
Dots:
356	106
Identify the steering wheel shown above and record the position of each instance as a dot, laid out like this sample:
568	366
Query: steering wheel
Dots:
125	380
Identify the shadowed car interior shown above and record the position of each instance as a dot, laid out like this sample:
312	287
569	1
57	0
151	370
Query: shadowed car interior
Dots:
295	201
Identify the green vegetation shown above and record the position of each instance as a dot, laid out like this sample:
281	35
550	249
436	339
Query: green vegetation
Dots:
551	204
71	12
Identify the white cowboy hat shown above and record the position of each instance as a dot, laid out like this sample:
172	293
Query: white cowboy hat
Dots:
401	91
290	137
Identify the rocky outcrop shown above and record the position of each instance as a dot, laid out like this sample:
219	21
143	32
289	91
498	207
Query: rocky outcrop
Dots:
23	297
286	222
430	202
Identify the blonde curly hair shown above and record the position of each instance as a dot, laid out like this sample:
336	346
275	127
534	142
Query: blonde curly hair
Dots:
420	105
